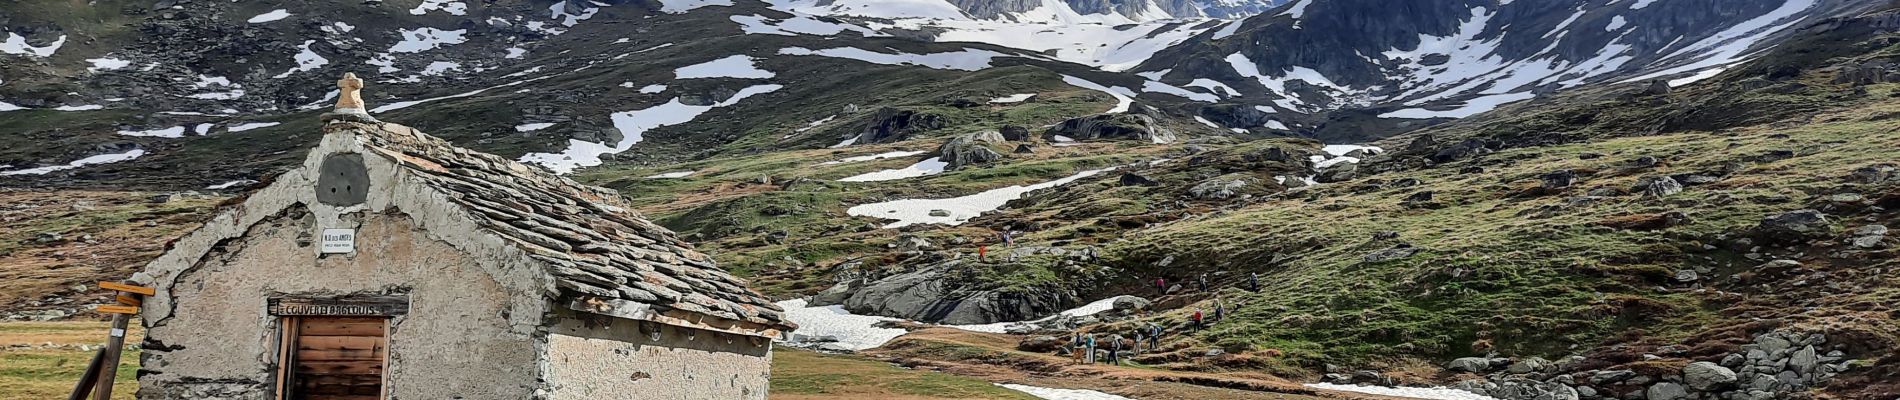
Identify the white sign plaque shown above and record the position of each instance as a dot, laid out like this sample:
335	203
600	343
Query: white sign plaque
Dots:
339	241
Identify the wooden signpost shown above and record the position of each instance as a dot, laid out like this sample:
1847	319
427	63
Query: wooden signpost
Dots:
99	374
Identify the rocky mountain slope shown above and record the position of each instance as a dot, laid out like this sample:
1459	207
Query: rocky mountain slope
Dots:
1626	221
1452	59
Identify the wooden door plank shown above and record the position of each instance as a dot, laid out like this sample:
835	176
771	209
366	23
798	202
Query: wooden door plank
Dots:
327	327
357	367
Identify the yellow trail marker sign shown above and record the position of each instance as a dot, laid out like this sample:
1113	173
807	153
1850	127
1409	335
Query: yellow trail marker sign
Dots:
128	288
113	309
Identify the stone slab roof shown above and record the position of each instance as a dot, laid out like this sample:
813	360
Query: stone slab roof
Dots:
588	237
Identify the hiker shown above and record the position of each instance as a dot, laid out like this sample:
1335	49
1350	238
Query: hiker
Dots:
1203	282
982	253
1220	313
1115	349
1161	285
1197	319
1139	337
1090	341
1154	336
1253	282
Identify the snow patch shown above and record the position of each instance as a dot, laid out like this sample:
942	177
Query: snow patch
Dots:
453	7
424	39
632	124
93	160
928	167
172	132
273	15
671	175
533	127
1014	98
251	125
16	44
1062	394
306	60
958	209
1413	392
967	60
730	67
682	6
853	332
1123	97
106	64
879	156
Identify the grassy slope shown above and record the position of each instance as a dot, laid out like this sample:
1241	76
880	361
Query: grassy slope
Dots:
31	370
1495	268
801	374
32	268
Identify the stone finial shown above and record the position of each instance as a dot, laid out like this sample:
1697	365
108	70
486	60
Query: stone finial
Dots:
349	92
349	101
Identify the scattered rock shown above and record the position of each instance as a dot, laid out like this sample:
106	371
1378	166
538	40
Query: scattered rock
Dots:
1869	237
1134	179
1039	344
1217	189
1707	376
1666	391
1462	150
1014	133
1395	253
1645	162
1466	364
1661	187
1798	225
1338	172
1876	173
1559	179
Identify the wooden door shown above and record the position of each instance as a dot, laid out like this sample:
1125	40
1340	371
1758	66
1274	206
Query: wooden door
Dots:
334	358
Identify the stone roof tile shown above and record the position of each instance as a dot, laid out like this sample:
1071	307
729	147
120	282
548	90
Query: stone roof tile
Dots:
588	238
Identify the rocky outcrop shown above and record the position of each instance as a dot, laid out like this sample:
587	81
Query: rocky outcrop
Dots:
888	125
970	149
1235	115
1799	225
1868	73
941	293
1217	189
1126	126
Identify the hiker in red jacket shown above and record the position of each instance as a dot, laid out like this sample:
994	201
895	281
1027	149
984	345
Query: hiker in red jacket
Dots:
1197	319
982	253
1161	285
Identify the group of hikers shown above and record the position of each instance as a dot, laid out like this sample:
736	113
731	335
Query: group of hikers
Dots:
1084	345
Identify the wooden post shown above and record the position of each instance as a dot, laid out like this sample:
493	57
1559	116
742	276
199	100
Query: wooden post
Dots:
90	378
109	368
